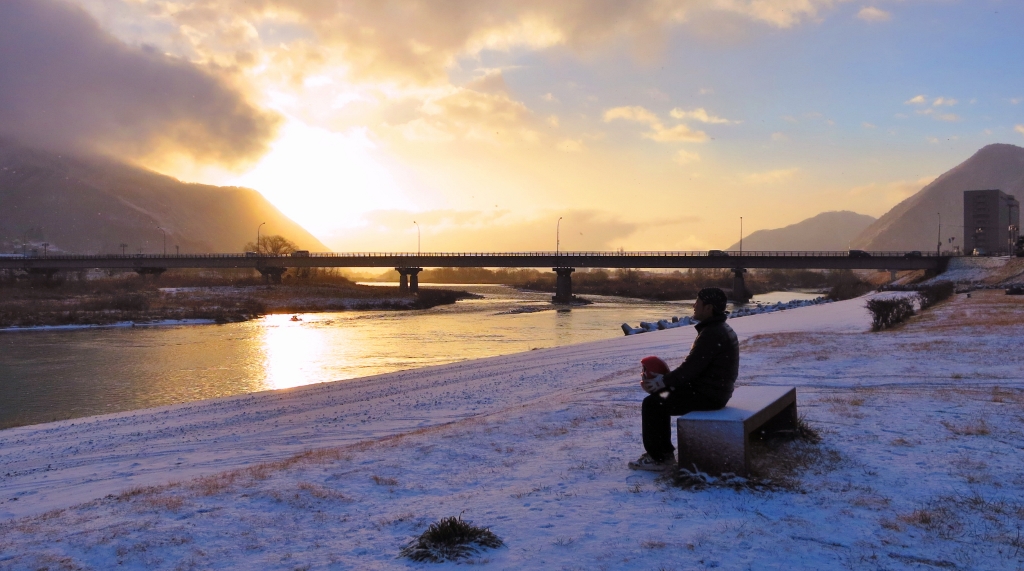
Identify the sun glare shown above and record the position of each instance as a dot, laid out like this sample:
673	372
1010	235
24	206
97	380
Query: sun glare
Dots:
324	180
293	353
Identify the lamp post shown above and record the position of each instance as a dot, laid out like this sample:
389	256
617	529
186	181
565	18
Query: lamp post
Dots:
417	238
123	246
938	247
45	246
176	251
165	239
558	235
741	235
258	237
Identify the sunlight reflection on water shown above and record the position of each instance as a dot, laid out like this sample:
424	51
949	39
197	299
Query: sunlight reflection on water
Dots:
48	375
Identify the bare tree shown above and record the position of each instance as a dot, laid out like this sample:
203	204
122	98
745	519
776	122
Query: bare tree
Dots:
274	245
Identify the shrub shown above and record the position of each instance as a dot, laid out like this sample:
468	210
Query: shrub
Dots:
935	293
886	313
450	539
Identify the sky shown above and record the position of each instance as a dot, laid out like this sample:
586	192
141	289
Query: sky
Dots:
499	125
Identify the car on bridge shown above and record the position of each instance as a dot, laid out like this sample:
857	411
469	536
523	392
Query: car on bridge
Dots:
859	254
300	254
914	254
717	253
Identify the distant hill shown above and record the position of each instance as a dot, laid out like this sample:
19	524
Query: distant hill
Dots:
826	231
913	223
91	205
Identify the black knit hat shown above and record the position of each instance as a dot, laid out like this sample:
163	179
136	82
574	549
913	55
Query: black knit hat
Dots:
714	297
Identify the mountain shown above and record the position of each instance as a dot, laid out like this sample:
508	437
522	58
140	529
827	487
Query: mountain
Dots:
914	223
826	231
91	205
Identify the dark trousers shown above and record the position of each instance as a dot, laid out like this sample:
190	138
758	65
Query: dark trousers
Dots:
657	413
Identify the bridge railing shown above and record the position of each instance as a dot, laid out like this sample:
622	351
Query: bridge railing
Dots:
560	254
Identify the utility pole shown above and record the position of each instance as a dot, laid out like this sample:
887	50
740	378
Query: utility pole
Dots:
417	238
123	246
258	237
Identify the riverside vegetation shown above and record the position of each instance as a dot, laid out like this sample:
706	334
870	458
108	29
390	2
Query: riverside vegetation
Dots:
223	296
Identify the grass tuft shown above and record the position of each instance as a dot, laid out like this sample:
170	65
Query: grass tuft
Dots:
450	539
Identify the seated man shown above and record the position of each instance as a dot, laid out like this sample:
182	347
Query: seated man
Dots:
703	382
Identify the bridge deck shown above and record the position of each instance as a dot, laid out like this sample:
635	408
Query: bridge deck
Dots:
651	260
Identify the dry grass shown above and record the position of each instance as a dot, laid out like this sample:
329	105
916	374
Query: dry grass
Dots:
971	428
384	481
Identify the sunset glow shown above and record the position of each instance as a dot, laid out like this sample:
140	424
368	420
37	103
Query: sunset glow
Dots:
644	125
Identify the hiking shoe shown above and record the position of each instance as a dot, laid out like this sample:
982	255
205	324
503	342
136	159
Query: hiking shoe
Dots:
649	464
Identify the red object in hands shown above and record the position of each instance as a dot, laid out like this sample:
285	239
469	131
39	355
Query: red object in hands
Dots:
653	366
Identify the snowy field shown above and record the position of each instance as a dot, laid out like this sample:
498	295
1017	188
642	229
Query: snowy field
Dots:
919	466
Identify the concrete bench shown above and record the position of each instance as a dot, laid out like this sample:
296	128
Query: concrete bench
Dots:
716	441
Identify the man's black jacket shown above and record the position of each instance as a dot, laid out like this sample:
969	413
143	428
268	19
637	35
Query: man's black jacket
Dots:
713	364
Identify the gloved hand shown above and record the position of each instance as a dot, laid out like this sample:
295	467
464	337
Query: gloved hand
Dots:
653	383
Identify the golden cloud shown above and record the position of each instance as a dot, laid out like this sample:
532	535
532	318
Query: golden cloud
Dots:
872	14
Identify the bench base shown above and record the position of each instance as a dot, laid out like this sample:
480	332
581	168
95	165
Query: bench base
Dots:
717	442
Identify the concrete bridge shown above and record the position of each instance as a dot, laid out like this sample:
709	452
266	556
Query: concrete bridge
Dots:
409	265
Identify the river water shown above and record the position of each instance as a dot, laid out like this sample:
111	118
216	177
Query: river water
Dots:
48	375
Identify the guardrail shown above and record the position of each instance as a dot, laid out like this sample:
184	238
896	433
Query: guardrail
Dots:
575	254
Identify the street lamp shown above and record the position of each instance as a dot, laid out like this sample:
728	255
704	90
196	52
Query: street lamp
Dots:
123	246
45	246
938	248
417	238
165	239
558	235
741	235
176	251
258	237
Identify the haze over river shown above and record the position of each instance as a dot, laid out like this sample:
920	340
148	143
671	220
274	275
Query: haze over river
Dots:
48	375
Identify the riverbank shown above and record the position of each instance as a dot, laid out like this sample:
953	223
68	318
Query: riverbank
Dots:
534	446
135	300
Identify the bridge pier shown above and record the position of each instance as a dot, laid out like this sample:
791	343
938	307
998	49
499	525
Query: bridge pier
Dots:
563	285
740	293
409	279
271	275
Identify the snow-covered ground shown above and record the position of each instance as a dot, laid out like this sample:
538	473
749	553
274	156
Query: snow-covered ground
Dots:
919	466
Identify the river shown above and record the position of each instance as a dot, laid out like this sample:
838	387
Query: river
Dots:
48	375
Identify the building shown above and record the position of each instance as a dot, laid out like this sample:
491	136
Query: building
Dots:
991	221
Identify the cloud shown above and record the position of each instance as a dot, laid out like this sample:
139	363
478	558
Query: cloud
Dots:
778	136
465	113
779	13
916	100
684	157
771	177
679	133
867	125
872	14
632	113
659	132
1019	129
67	84
698	114
943	101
